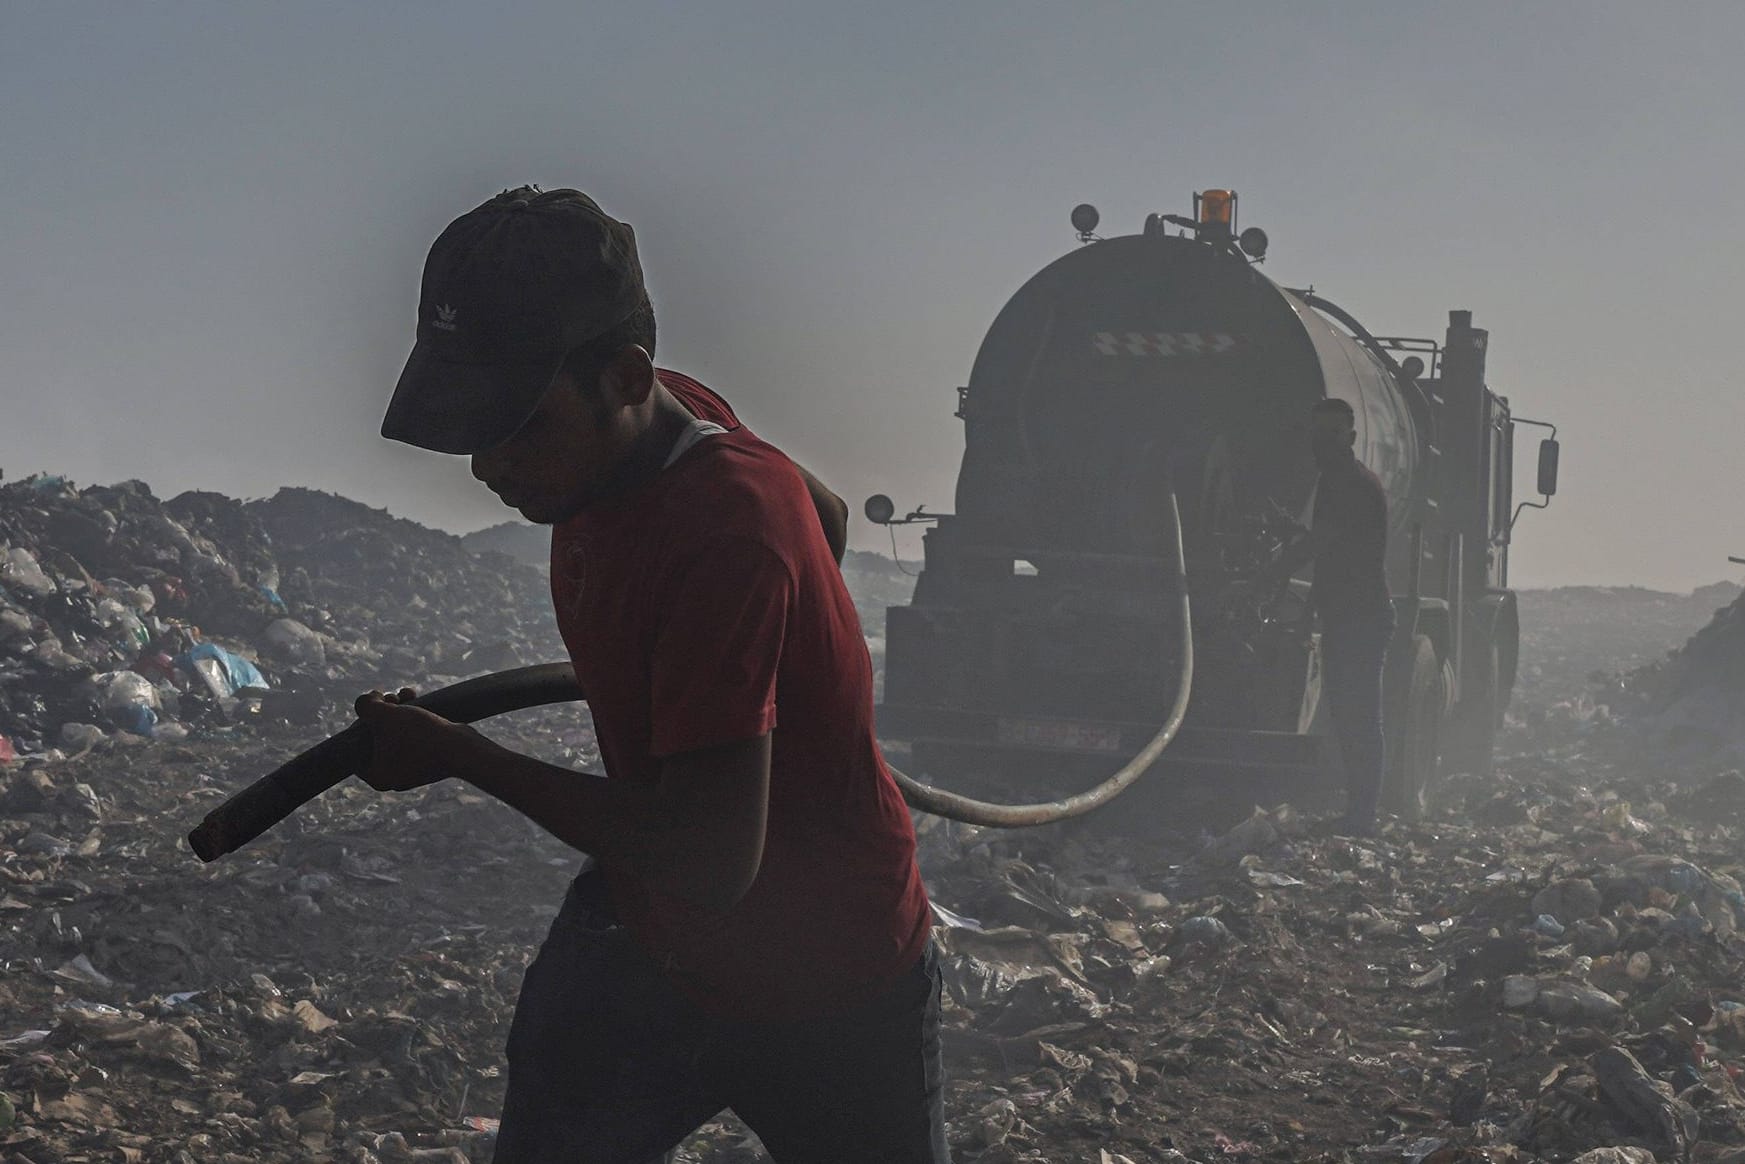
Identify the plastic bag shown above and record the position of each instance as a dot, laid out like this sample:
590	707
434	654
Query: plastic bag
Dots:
18	568
123	625
225	672
130	701
297	643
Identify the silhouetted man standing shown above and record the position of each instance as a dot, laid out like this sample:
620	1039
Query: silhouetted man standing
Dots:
1347	543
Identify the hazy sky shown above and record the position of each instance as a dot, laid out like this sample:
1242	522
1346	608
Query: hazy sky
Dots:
212	218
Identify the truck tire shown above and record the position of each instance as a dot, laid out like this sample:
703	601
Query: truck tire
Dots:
1472	735
1415	746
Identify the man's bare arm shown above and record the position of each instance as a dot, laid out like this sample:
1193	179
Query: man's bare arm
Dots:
714	847
697	836
1298	554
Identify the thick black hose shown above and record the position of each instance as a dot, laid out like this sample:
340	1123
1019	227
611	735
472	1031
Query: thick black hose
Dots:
277	795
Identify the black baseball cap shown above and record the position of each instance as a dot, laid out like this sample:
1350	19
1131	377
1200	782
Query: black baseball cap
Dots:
510	289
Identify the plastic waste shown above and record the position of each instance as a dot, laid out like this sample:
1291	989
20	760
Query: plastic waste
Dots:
52	654
82	737
1626	1155
1717	896
122	624
974	983
1547	926
41	844
296	643
1519	990
1643	1102
1575	1002
139	599
14	624
955	920
81	970
1619	819
1203	934
993	1123
18	568
130	701
224	672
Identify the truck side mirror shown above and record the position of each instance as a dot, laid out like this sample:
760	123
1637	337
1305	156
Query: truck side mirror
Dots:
1548	467
880	509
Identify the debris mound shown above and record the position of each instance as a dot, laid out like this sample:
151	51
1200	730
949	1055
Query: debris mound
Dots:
1693	700
122	613
520	540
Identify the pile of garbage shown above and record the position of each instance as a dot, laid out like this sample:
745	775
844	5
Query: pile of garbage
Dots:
1579	642
1714	658
1550	973
121	614
523	541
1693	700
332	991
1548	969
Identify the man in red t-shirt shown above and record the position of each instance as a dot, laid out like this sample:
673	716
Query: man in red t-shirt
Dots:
750	930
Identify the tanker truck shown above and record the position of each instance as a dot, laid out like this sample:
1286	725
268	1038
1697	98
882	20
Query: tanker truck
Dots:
1134	448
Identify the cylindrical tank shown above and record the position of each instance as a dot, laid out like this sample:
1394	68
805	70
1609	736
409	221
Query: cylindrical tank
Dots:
1139	360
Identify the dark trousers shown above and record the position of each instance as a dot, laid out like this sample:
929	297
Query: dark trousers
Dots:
610	1064
1353	653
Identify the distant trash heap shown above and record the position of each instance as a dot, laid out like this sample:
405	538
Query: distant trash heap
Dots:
125	618
1694	699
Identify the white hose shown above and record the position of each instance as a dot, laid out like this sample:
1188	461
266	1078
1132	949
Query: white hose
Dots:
1008	816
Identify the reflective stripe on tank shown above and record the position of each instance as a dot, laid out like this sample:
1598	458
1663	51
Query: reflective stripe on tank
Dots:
1161	343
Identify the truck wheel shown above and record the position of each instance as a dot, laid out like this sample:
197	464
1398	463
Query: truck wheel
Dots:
1415	747
1472	736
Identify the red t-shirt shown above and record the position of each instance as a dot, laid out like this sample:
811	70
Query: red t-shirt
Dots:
704	608
702	403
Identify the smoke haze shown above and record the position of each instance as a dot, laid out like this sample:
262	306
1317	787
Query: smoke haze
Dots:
216	216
